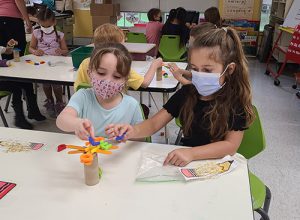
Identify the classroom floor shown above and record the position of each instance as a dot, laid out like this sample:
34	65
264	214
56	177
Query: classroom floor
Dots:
278	166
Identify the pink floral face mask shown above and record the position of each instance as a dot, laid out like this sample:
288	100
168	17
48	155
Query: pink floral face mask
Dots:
106	88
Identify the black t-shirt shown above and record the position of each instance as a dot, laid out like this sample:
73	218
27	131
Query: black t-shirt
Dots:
199	130
176	29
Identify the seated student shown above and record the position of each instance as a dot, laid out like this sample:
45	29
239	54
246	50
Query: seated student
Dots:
89	110
112	33
214	110
184	76
176	25
212	15
17	88
154	27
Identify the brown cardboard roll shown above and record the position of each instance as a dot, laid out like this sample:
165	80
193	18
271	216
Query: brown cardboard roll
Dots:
91	172
159	74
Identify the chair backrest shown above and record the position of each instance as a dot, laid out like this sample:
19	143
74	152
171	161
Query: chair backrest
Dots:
83	86
4	93
133	37
254	139
170	48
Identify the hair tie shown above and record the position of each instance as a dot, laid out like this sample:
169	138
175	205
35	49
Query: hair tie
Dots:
225	29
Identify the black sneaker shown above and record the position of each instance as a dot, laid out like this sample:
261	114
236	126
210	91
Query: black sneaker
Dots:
23	123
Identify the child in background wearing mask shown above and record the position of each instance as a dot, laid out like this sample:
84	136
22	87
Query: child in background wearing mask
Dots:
89	110
48	41
154	27
184	76
214	110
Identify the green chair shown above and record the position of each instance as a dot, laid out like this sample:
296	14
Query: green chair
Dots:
86	86
252	144
2	95
170	49
132	37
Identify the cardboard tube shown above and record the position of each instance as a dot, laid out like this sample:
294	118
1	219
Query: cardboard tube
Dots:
91	172
159	74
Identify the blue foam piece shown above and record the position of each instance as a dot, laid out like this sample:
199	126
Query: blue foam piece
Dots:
121	137
93	143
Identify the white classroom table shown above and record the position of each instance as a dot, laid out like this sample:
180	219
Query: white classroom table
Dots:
140	48
64	74
50	185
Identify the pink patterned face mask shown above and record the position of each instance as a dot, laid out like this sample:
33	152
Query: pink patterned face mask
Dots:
106	88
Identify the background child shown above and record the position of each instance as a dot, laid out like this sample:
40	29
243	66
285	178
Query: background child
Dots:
176	25
103	103
48	41
184	76
154	27
112	33
214	110
212	15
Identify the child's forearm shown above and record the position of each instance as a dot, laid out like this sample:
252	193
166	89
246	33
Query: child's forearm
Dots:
152	125
183	80
65	52
67	122
214	150
187	73
149	76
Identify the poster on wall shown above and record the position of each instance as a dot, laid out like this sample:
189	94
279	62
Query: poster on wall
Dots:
241	9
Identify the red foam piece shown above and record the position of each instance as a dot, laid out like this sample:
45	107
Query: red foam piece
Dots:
61	147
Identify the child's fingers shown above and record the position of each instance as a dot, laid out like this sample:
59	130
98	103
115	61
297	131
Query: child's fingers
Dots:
169	158
182	164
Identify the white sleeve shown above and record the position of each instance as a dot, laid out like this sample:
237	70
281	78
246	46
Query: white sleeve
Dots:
2	49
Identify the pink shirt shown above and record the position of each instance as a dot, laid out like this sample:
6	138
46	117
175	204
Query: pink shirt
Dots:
153	32
8	8
49	42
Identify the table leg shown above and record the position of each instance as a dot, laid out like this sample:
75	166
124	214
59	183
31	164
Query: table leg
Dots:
141	97
69	93
165	99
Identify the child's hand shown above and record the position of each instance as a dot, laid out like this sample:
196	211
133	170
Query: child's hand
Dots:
112	131
175	70
179	157
84	129
38	52
12	43
157	63
59	51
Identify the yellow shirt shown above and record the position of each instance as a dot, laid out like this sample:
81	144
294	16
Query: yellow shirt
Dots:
135	80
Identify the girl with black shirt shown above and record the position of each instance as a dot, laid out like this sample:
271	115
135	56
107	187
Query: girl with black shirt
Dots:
214	110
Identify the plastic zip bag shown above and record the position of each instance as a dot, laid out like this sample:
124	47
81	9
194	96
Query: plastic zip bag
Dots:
151	169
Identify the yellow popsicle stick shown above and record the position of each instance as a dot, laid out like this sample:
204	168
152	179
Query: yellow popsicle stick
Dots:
75	152
104	151
75	147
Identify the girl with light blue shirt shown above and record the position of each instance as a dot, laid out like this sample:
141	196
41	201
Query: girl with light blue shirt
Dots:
90	110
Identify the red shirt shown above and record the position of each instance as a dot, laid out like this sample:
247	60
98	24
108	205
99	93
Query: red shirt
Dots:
8	8
153	32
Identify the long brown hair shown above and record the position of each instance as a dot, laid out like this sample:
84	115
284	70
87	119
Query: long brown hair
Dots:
117	49
212	15
235	96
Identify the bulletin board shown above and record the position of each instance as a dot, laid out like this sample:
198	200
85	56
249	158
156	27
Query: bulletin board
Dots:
240	9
